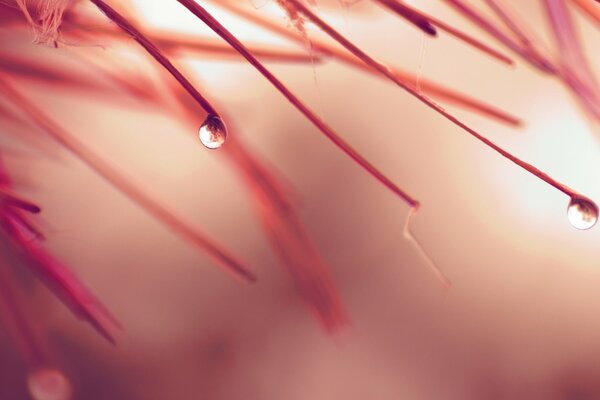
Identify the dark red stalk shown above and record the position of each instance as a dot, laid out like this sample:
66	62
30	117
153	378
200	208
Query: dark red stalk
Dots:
397	6
431	88
385	71
418	20
203	15
132	31
125	186
211	22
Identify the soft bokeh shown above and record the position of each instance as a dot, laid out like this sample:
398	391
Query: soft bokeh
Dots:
519	321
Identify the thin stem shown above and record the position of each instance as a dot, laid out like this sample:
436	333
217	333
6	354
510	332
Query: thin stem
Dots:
430	103
128	188
132	31
212	23
427	86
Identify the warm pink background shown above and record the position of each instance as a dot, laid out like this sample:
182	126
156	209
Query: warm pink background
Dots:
519	322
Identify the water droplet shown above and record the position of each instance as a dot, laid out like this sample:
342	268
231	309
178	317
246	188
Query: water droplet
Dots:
49	384
213	132
582	213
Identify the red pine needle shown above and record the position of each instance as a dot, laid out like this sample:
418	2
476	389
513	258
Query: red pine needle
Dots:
385	71
428	87
216	26
132	31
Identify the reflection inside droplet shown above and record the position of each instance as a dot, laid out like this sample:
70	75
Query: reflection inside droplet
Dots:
582	213
213	132
49	384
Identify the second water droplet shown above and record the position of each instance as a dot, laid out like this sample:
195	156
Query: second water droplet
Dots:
582	213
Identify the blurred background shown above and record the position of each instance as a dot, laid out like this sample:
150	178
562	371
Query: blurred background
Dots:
518	322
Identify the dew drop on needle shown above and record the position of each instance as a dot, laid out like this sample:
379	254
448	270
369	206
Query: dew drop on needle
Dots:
582	213
49	384
213	132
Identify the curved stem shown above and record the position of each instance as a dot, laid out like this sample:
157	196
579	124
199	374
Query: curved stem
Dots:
132	31
384	70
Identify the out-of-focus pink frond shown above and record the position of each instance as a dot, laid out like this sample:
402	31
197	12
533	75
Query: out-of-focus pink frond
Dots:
19	236
528	53
574	67
289	239
124	185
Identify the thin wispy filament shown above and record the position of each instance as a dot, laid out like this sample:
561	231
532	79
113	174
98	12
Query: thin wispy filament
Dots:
408	235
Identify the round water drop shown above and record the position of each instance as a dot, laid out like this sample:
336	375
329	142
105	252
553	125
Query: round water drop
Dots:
582	213
49	384
213	132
